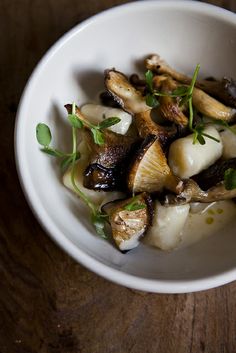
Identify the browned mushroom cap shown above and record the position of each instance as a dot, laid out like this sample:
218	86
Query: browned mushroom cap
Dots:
214	174
115	149
106	167
150	171
146	126
129	219
123	92
224	90
193	193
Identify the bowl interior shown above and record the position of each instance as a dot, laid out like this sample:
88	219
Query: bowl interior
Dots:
182	33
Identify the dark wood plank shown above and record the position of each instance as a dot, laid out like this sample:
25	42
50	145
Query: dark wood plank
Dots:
49	303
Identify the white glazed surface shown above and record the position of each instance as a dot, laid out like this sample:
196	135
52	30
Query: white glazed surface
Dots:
183	33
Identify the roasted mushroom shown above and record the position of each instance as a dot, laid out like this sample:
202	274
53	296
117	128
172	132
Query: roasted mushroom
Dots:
214	174
107	166
212	108
124	93
193	193
129	219
134	102
150	171
105	170
169	107
146	126
224	90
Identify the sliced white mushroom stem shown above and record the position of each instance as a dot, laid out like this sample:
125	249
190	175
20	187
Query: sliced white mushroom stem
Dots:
119	86
211	107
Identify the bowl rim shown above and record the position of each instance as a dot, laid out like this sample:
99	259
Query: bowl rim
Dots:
109	273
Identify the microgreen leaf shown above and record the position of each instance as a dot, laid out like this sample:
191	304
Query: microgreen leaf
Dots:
210	137
149	78
201	139
151	100
43	134
108	122
75	121
226	125
51	152
180	91
230	179
65	163
97	136
98	220
134	205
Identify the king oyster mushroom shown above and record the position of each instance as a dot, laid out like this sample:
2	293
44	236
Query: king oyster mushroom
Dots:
129	219
224	90
150	171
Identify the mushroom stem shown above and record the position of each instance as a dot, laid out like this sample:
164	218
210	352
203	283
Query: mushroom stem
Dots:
193	193
224	90
210	107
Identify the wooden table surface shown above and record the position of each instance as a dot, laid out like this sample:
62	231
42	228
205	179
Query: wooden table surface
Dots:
48	302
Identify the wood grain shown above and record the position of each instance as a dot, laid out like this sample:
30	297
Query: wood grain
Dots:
49	303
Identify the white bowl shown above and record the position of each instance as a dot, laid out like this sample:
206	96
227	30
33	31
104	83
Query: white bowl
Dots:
184	33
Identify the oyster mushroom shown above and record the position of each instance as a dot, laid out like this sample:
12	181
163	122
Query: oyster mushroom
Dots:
134	102
193	193
224	90
212	108
146	126
128	224
124	93
105	169
169	107
150	171
214	174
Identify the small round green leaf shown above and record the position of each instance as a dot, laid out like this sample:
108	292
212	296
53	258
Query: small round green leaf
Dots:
75	121
109	122
43	134
230	179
